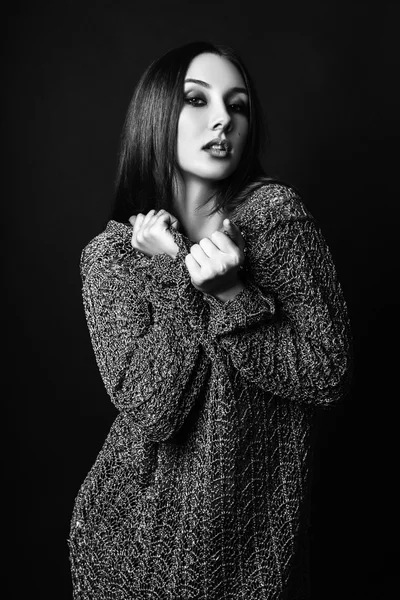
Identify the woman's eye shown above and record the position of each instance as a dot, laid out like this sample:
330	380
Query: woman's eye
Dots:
240	108
195	101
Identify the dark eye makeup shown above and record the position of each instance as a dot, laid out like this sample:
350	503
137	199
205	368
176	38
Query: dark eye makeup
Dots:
195	100
199	101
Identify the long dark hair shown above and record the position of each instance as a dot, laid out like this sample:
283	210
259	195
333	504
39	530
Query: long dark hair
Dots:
147	161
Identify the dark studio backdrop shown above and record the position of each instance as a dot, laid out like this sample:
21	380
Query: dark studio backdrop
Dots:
326	75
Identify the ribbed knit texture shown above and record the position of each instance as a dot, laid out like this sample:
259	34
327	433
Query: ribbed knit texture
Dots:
201	490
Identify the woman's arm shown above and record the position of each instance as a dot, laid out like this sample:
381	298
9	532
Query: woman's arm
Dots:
288	332
148	358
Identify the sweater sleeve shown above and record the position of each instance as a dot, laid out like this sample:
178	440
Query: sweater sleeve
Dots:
289	332
149	362
168	286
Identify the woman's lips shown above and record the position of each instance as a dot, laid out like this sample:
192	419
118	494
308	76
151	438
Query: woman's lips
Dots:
217	151
218	148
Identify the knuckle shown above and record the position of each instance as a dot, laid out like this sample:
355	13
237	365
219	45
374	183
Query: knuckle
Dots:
221	269
236	259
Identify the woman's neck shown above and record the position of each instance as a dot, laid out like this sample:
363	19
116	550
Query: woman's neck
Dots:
192	209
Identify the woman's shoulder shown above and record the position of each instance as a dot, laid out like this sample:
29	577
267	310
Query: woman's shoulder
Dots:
106	248
273	201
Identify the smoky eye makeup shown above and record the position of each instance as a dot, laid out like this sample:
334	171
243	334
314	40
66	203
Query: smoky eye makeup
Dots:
194	98
238	105
193	93
234	102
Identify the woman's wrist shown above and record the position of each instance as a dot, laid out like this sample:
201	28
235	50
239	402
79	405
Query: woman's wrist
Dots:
229	293
173	253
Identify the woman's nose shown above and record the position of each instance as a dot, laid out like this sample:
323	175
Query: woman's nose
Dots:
220	119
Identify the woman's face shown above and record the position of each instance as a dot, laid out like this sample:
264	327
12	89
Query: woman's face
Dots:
213	124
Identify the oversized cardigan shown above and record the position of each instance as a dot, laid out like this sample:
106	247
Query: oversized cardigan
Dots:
201	490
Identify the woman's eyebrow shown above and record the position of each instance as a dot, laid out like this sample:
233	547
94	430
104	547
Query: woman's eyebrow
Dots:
199	82
238	89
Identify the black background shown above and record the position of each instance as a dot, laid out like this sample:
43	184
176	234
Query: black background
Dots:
327	77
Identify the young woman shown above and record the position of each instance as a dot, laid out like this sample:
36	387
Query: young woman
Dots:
218	326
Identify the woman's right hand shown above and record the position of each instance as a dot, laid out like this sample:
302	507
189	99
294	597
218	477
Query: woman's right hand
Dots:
151	233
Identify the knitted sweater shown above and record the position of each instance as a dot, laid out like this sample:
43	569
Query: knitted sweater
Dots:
201	489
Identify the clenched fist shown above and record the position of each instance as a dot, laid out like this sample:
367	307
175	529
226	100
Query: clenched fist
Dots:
214	262
151	233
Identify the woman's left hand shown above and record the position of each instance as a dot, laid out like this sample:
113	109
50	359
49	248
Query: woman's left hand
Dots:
214	262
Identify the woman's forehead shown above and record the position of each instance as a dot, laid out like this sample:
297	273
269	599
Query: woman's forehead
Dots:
215	70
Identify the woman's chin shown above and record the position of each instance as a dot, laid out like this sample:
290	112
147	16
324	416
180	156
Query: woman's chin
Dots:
214	173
